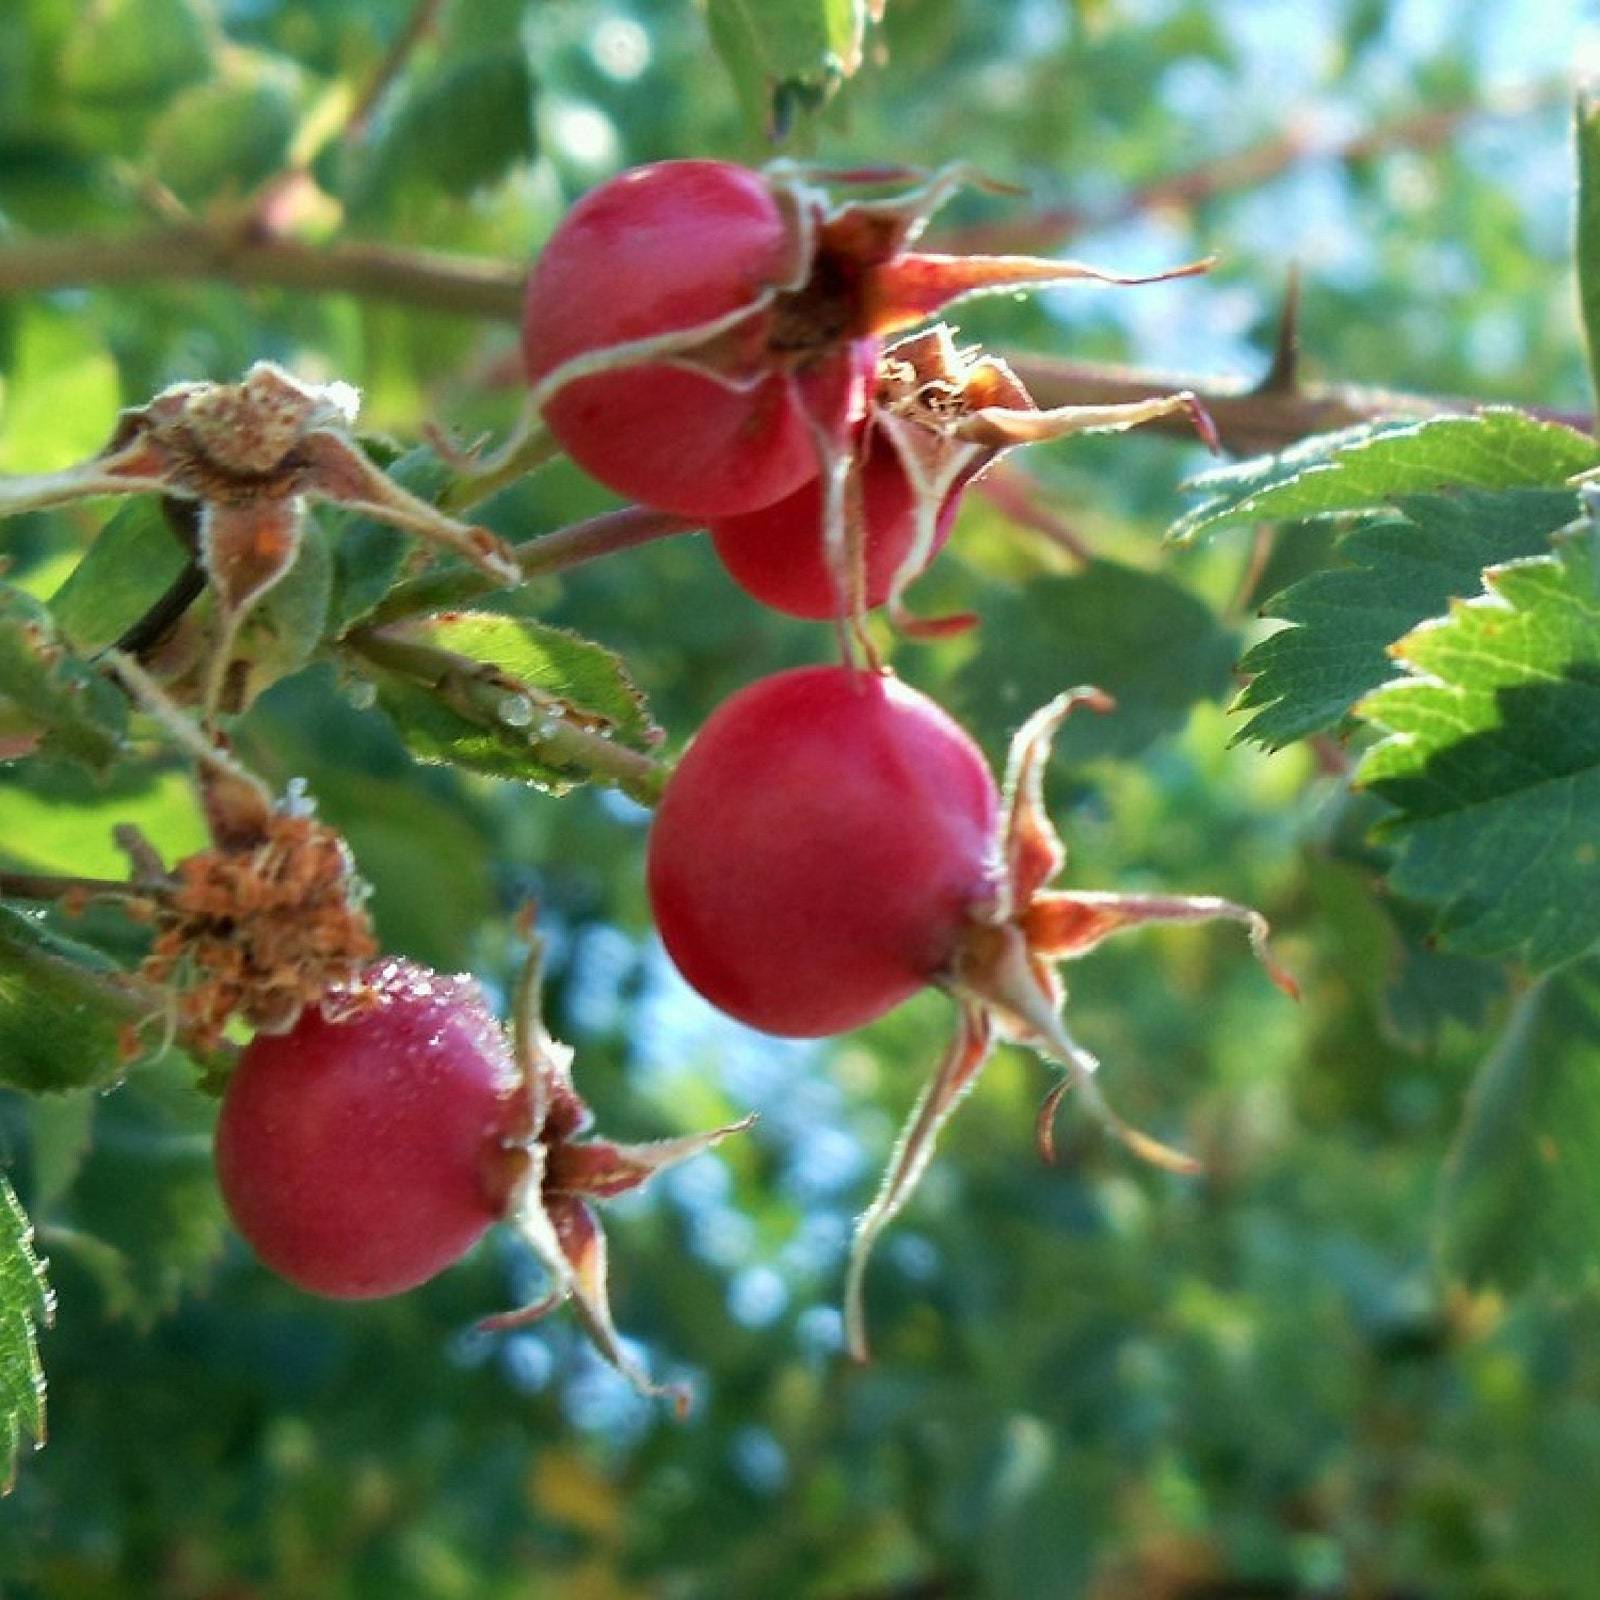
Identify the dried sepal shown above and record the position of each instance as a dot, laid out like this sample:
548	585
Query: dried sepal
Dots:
252	455
561	1172
1003	978
968	1052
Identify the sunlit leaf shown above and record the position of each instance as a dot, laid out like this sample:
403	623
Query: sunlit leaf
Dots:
1492	761
1521	1203
1369	466
1149	643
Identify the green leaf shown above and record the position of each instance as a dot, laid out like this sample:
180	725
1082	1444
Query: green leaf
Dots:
1149	643
136	50
1493	761
1401	570
80	713
145	1216
1521	1200
786	56
61	393
460	130
60	1014
62	820
131	564
561	670
437	734
1361	468
1587	127
370	556
25	1302
227	136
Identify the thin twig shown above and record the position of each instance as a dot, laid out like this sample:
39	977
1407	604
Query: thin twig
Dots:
1233	173
424	19
488	289
551	552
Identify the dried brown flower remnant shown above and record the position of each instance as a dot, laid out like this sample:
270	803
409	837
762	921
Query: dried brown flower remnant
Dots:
260	930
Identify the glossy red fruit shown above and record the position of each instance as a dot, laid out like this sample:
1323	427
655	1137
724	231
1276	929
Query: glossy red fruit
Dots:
364	1150
659	249
820	848
777	554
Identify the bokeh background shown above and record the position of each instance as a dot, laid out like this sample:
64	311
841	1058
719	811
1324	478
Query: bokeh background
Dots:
1091	1380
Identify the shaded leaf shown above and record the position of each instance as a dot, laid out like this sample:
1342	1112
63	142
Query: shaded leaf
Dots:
370	556
1492	759
1360	468
786	56
131	564
460	130
59	1016
1521	1202
1149	643
1401	570
80	713
227	136
25	1302
146	1218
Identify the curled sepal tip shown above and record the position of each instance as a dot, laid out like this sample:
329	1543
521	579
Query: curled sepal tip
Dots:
556	1174
957	1072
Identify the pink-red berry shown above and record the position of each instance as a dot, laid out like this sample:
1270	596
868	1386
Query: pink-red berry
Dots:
819	848
778	555
662	249
365	1150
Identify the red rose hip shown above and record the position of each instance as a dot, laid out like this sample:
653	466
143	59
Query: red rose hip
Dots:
778	554
832	842
819	848
364	1151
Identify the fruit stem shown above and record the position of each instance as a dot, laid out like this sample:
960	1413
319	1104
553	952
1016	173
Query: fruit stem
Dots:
572	546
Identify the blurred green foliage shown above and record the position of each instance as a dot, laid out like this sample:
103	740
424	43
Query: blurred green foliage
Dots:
1360	1357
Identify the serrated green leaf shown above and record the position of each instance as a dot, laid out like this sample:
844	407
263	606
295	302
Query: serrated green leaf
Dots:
1401	571
226	136
786	55
1521	1200
1359	469
145	1216
460	130
559	668
1587	129
136	50
1139	636
59	1016
81	715
1492	759
131	564
25	1302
